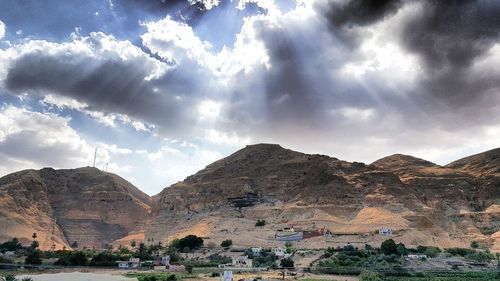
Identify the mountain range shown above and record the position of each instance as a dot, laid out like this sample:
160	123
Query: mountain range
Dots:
421	202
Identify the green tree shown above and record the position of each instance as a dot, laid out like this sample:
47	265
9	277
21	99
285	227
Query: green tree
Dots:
133	244
78	258
401	249
11	245
389	247
432	252
287	263
33	257
34	245
191	241
226	243
74	245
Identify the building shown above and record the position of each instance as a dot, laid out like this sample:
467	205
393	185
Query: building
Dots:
256	251
227	276
385	231
415	257
279	252
242	261
131	263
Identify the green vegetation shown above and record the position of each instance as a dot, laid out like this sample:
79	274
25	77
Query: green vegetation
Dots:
11	245
226	243
474	245
10	277
287	263
447	276
154	276
260	223
370	276
191	241
490	230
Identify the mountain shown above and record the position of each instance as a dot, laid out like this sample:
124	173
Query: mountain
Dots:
424	203
84	205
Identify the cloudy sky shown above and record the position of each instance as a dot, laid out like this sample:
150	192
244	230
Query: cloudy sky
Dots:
163	88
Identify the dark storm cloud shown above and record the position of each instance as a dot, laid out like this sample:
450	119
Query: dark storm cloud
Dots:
361	12
112	85
447	36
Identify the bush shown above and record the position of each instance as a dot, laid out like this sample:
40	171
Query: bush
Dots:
287	263
12	245
370	276
474	245
432	252
260	223
226	243
459	251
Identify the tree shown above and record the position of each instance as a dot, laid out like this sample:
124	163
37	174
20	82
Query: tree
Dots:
389	247
226	243
12	245
474	244
33	257
34	245
133	244
191	242
78	258
287	263
432	252
74	245
401	249
176	243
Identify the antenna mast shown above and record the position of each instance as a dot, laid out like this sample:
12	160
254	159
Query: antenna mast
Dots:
95	155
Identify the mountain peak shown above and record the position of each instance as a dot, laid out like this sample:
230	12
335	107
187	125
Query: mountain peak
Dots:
402	161
481	164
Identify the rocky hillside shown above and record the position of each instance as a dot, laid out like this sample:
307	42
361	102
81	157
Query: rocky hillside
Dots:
84	205
422	202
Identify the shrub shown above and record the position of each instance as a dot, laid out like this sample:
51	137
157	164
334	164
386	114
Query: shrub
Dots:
287	263
172	277
432	252
226	243
474	245
459	251
8	277
260	223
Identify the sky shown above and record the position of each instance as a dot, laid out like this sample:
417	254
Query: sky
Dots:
163	88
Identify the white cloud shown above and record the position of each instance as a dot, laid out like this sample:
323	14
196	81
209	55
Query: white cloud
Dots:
2	29
33	140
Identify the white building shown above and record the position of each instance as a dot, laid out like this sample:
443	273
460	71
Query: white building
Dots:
227	276
256	250
385	231
415	257
131	263
279	252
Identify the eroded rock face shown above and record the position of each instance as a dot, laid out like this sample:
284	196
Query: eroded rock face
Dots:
423	202
84	205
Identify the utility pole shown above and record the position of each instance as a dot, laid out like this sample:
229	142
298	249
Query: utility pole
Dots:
95	155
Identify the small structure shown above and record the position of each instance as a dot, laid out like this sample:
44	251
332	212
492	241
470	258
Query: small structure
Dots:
288	234
415	257
227	276
256	251
279	252
385	231
242	262
131	263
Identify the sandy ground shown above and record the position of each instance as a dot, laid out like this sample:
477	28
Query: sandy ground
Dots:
78	276
118	275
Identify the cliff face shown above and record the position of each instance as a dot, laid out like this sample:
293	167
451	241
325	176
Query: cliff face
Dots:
422	202
84	205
